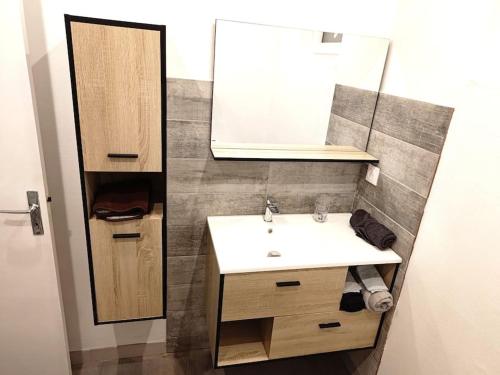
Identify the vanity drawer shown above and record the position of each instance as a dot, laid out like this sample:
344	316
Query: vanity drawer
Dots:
267	294
127	263
326	332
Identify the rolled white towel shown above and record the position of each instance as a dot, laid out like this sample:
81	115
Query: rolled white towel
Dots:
370	278
375	293
378	301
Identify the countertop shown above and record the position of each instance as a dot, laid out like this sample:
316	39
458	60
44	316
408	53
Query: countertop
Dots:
242	243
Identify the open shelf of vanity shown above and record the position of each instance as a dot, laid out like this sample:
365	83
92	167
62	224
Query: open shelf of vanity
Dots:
118	80
256	315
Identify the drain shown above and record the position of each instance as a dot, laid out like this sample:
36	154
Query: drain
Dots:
273	254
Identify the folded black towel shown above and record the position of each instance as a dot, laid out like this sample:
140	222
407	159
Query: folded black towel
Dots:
371	230
352	302
352	298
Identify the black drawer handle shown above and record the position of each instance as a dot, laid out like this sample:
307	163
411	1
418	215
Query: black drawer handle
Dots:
329	325
287	283
126	235
123	156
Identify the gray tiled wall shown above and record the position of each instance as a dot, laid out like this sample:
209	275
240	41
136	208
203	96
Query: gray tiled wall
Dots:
351	116
407	137
199	186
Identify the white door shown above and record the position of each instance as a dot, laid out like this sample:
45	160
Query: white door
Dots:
32	332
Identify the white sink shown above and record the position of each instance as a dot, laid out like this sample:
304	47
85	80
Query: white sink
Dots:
242	243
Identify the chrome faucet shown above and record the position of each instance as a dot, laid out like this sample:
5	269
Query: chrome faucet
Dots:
271	208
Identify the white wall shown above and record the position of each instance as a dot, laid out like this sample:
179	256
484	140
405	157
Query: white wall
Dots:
447	320
189	55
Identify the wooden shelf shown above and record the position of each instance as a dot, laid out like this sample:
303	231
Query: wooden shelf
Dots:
289	152
244	341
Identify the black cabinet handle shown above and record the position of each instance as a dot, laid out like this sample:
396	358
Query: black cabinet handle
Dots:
123	156
329	325
287	283
126	235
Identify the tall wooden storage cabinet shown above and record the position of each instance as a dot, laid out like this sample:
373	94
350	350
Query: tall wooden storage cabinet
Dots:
118	80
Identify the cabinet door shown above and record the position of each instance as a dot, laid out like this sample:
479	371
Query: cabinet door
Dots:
118	84
127	262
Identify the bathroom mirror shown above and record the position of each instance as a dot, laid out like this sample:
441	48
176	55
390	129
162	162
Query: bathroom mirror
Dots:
285	93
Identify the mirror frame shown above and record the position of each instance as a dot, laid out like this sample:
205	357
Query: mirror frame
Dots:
287	152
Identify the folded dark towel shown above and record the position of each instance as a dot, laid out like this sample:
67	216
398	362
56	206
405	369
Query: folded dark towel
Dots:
352	302
371	230
124	200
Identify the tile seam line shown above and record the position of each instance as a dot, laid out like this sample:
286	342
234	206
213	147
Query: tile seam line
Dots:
248	193
350	120
403	185
185	256
390	218
400	225
189	79
403	141
411	143
183	119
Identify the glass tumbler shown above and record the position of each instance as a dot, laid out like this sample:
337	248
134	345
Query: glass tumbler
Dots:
321	209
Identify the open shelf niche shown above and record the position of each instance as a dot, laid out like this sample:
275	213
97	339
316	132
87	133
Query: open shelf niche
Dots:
245	341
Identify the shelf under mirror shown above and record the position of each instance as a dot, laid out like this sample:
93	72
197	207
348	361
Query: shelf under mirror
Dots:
289	152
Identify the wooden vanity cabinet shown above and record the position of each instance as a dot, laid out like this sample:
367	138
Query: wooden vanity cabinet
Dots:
118	81
258	316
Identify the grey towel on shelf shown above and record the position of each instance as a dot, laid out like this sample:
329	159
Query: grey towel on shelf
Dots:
378	301
375	293
370	278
